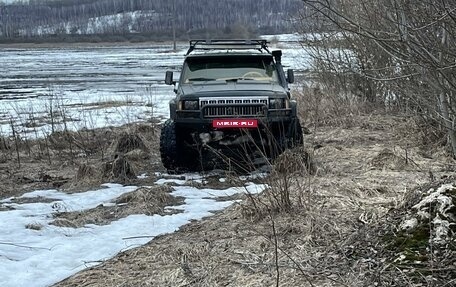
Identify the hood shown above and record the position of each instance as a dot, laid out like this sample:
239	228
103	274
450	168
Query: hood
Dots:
231	89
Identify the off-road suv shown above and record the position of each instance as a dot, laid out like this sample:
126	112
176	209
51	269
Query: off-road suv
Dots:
232	107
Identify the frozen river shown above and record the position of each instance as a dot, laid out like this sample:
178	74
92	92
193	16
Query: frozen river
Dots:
90	87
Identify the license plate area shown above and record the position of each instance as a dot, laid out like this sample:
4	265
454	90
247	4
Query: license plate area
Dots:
235	123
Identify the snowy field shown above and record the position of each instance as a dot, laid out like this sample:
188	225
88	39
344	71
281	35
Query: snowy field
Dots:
90	87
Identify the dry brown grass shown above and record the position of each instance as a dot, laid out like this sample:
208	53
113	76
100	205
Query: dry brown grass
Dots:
387	159
73	161
128	142
319	232
323	237
321	106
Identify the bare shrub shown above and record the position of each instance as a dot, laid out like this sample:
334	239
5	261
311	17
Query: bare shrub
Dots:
326	106
285	185
394	53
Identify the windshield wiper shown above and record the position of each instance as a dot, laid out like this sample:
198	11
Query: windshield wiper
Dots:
200	79
240	78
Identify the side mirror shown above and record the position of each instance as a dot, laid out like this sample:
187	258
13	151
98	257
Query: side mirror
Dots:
169	78
290	76
277	54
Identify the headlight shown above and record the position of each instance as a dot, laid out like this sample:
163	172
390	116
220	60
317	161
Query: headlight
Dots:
277	103
190	105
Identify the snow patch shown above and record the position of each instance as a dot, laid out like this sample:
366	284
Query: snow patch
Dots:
436	207
443	202
27	255
409	224
126	22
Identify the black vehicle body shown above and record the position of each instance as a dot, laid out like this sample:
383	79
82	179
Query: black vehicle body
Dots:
232	105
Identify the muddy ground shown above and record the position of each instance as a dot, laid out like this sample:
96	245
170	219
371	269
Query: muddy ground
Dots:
337	230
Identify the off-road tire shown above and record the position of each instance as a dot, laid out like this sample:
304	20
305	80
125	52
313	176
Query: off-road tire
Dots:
170	147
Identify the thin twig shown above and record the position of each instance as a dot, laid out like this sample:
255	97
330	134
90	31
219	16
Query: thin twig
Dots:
24	246
276	249
138	237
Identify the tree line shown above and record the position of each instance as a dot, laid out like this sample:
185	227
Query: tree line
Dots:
41	18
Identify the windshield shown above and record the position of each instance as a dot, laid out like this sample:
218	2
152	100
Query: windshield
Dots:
229	69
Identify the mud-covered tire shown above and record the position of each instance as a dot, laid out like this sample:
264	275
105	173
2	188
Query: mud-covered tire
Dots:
170	147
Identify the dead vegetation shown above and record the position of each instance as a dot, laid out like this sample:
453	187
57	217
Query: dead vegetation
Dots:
145	200
320	224
78	160
331	216
387	159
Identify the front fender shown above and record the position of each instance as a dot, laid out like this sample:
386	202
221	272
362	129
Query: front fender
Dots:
293	107
172	109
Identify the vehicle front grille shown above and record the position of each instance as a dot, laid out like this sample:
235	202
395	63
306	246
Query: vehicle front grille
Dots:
234	107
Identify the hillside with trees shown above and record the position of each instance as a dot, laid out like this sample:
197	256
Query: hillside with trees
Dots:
39	19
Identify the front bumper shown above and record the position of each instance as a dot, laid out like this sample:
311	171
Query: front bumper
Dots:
196	118
268	130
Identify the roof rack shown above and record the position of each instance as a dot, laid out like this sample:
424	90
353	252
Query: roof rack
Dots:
260	45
